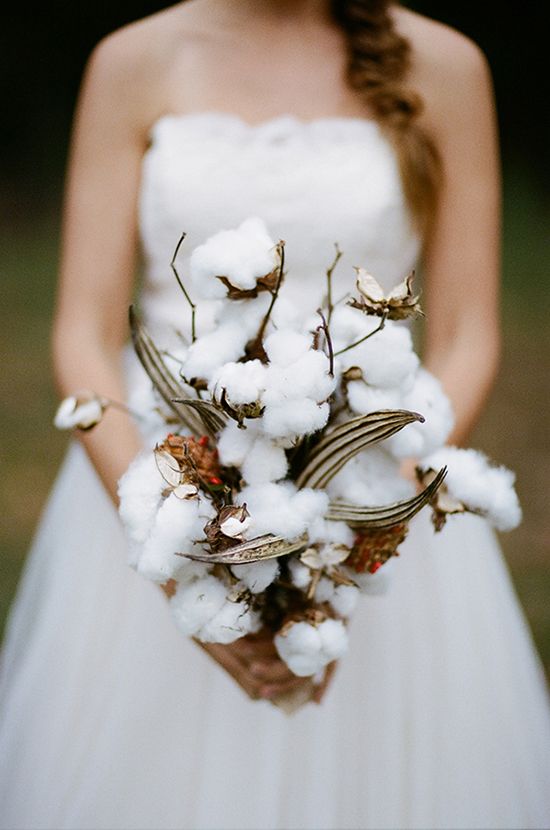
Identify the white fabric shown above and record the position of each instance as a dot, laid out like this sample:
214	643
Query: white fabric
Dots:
437	718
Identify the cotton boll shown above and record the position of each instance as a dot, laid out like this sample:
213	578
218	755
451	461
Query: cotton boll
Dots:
196	603
242	255
324	591
282	510
257	575
307	649
300	574
363	398
344	599
300	649
233	621
247	314
287	313
211	351
140	493
334	639
329	532
234	444
285	346
264	462
481	487
243	382
294	418
174	528
428	398
347	325
307	377
387	359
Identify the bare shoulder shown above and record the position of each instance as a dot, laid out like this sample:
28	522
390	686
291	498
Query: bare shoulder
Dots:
130	66
448	69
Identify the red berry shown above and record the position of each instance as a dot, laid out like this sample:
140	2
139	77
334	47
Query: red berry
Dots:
203	441
374	567
215	480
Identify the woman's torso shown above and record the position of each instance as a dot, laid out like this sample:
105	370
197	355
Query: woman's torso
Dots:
314	183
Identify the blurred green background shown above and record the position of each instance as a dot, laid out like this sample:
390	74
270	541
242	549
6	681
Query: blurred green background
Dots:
45	48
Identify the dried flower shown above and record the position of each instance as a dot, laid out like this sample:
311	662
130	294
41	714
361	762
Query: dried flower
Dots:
397	305
81	411
228	527
194	459
373	548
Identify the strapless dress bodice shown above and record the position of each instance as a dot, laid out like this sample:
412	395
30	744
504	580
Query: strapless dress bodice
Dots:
313	183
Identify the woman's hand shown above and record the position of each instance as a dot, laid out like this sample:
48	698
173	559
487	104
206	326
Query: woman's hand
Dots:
254	664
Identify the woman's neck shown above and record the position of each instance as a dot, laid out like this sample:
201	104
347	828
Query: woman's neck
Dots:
312	11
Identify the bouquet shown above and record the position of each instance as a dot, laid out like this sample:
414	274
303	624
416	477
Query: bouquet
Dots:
274	498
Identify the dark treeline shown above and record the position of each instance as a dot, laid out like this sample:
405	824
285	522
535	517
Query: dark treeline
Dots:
45	49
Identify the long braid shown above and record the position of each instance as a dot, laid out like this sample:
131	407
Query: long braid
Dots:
379	60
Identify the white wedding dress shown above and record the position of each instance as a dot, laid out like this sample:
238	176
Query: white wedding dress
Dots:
438	716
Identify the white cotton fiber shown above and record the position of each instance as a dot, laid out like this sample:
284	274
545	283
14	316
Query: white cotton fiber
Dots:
307	377
285	346
243	382
307	649
242	255
140	494
363	398
264	462
334	639
201	609
294	418
370	479
327	532
387	358
257	575
481	487
177	525
418	439
233	620
347	325
300	574
210	352
281	509
194	604
234	444
344	599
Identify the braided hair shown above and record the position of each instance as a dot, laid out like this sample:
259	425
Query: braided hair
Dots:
378	64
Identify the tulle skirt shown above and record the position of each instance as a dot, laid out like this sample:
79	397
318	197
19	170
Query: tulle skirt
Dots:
438	716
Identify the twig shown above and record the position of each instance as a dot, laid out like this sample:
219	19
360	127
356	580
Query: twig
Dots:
366	337
330	272
274	294
183	288
324	328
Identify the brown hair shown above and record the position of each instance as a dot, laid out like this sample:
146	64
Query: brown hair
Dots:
379	60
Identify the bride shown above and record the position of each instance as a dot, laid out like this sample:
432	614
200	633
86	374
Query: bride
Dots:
354	121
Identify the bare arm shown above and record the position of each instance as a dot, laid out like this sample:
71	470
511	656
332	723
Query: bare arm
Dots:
98	255
462	254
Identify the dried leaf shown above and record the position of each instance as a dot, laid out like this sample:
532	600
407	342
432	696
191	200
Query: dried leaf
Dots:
387	515
342	443
263	547
211	415
168	386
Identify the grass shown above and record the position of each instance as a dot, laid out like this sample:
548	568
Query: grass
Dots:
513	428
